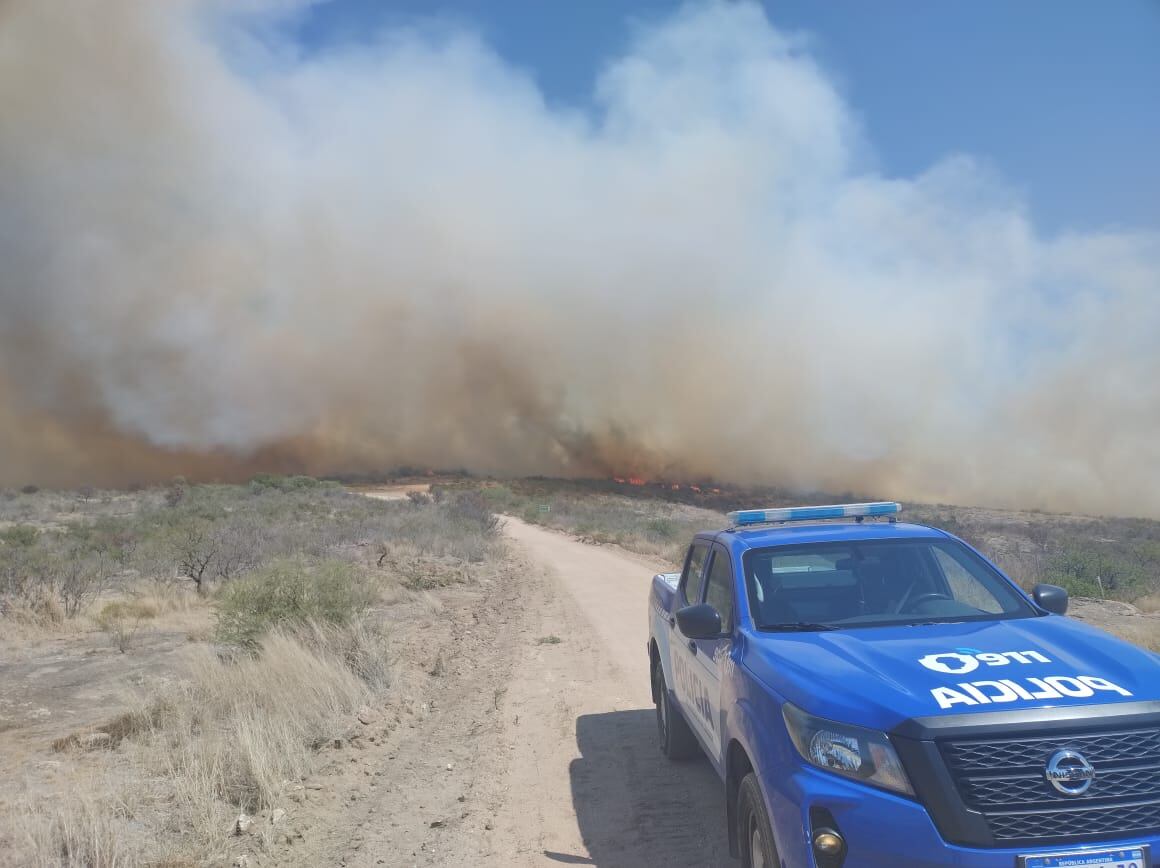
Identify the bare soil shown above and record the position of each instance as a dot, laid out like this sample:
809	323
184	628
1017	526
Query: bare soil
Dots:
60	685
392	492
1122	619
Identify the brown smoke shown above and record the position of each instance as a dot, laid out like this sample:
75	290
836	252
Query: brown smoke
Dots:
220	253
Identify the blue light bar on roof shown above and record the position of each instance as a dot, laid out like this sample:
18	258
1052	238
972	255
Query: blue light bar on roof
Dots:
812	513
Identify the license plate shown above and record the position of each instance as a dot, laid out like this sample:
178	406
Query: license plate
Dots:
1124	857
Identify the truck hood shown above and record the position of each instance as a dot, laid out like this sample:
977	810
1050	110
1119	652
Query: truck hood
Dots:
879	677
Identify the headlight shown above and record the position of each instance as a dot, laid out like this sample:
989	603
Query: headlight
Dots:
850	751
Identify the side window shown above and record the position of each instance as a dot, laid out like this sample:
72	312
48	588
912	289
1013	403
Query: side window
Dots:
694	573
719	592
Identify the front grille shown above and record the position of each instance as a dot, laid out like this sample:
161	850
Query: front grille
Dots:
1033	751
1003	779
1034	790
1115	821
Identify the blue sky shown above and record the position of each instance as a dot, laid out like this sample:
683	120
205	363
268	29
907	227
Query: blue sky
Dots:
1061	96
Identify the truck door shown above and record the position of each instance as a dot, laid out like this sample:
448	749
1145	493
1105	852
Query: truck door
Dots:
714	655
688	684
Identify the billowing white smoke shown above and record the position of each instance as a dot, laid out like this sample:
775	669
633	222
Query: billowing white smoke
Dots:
218	255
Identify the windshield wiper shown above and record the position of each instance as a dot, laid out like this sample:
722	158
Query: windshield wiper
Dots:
799	627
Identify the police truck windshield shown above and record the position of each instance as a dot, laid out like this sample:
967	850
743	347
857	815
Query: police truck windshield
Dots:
874	583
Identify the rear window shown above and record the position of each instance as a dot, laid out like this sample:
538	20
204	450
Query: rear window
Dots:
694	572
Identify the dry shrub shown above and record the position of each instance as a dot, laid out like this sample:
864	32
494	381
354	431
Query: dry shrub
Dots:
141	609
419	572
121	620
42	611
235	732
169	597
360	644
77	831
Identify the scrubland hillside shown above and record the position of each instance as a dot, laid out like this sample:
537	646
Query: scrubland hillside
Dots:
175	659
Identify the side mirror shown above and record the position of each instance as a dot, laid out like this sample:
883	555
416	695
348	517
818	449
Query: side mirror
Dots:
1050	597
699	622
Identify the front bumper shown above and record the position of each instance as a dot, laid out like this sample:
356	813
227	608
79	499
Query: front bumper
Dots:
883	830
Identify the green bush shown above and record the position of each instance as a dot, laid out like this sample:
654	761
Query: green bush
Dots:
290	593
471	510
661	529
19	536
1100	571
503	499
282	483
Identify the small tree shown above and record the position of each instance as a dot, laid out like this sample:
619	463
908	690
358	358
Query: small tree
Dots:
23	562
238	550
197	549
80	580
176	492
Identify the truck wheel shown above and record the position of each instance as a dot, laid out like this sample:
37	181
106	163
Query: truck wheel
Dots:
754	834
676	739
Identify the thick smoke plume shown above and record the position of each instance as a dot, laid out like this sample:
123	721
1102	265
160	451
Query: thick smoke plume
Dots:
220	254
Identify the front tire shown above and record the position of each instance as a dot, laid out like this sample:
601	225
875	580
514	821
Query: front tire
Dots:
677	741
754	834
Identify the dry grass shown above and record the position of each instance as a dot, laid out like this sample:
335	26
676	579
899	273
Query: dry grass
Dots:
81	831
1149	604
234	733
29	619
123	615
229	736
1144	634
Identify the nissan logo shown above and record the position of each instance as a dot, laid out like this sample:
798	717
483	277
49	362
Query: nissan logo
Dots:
1070	772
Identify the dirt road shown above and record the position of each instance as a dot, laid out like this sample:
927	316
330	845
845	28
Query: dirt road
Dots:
391	492
536	744
588	785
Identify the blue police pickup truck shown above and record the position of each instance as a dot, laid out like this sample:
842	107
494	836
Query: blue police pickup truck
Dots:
875	693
